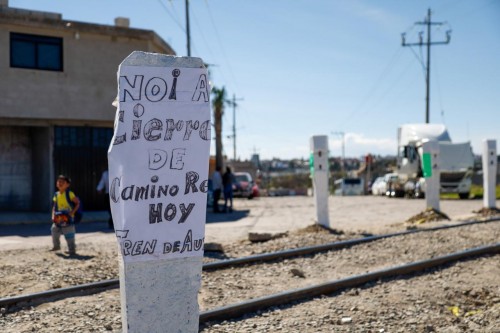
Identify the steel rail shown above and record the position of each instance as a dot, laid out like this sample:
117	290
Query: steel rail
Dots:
78	289
302	251
220	264
262	303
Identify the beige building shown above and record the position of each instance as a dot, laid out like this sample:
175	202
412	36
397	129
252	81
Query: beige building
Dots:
57	83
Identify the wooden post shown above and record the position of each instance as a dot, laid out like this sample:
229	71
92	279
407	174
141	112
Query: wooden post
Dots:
320	175
158	167
489	173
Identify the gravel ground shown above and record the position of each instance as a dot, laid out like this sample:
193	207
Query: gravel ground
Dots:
226	286
425	303
463	297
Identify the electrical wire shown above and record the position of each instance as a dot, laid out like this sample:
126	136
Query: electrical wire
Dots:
172	4
172	16
420	59
375	86
394	84
440	97
177	20
200	30
377	83
221	45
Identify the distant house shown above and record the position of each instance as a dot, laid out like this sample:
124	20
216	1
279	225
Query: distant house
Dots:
57	83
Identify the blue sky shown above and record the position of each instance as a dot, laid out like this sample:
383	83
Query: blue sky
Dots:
301	67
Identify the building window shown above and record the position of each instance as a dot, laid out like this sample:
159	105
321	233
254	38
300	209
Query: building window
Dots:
36	52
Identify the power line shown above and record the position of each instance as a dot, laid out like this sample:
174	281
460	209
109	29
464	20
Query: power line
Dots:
221	45
176	21
360	111
427	22
440	97
200	31
377	83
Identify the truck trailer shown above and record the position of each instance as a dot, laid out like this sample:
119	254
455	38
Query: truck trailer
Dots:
456	161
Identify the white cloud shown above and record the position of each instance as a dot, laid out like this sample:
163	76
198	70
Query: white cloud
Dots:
358	145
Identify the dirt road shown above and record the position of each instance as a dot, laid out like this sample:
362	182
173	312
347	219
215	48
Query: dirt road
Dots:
367	214
457	298
362	214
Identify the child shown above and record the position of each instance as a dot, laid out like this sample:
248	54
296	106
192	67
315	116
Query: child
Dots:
65	205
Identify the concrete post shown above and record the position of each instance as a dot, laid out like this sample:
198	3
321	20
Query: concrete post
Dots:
489	173
320	174
158	169
431	169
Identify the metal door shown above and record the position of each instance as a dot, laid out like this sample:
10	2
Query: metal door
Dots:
81	154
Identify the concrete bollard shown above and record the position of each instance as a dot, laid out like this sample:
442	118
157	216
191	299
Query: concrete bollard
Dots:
158	169
320	174
489	173
431	167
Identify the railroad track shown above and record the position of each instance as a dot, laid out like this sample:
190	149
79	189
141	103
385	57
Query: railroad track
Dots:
238	309
262	303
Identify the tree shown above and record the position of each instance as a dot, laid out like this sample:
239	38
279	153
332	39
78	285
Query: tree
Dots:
218	101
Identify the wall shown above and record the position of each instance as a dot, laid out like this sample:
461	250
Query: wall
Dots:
43	179
15	168
80	95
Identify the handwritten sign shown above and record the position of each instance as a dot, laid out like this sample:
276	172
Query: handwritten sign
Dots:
158	160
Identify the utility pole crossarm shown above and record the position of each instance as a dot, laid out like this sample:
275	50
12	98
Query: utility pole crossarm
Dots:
420	44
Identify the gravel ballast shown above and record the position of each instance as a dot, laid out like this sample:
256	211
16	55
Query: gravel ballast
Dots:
461	297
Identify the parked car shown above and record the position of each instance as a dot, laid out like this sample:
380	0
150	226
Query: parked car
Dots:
255	190
379	186
348	186
244	186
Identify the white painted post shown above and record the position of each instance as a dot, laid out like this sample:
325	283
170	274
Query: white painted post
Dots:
489	173
320	174
431	168
158	167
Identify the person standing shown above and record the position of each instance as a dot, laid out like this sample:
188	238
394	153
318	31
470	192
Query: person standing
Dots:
217	187
65	205
227	181
103	186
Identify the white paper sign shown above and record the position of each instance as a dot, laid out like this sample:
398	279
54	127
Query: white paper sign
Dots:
158	159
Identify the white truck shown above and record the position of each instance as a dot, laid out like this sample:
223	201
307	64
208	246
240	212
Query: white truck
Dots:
456	161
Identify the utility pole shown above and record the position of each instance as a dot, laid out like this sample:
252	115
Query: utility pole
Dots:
187	30
233	103
428	23
342	165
